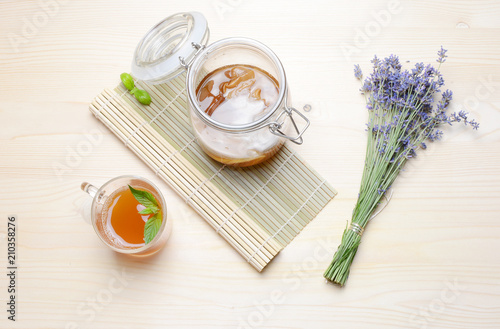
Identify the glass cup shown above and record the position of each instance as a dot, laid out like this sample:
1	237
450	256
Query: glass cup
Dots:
102	198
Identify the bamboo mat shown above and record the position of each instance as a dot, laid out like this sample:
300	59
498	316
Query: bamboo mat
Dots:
258	210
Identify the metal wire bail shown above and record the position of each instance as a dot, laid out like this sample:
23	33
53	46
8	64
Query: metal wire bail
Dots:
275	127
198	48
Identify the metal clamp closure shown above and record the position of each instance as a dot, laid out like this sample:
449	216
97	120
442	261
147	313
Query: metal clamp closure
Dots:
275	127
199	48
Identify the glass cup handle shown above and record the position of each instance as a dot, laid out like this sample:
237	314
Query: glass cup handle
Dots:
275	127
89	188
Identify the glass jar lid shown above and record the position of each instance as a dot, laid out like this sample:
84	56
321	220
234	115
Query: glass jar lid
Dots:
163	52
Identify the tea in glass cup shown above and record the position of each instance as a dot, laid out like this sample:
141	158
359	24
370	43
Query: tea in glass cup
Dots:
129	215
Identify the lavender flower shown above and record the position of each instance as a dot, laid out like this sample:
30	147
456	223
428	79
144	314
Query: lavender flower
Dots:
463	116
357	72
406	108
442	55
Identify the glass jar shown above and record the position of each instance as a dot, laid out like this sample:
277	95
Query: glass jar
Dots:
178	43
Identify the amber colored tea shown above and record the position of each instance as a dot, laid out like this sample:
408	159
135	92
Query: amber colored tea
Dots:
123	224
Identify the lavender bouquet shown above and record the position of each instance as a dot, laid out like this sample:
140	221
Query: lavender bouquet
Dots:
403	114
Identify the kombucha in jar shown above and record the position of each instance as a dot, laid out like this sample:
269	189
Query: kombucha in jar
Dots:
237	95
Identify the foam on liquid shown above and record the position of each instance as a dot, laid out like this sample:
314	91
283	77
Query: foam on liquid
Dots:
237	95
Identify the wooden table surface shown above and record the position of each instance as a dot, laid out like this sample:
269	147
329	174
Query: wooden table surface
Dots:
429	260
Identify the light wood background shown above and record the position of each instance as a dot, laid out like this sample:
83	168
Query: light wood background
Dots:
430	260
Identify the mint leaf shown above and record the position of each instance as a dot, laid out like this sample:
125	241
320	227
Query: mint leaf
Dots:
154	222
149	211
145	198
152	227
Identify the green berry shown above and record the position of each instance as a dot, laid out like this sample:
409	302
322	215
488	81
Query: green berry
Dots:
142	96
127	80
